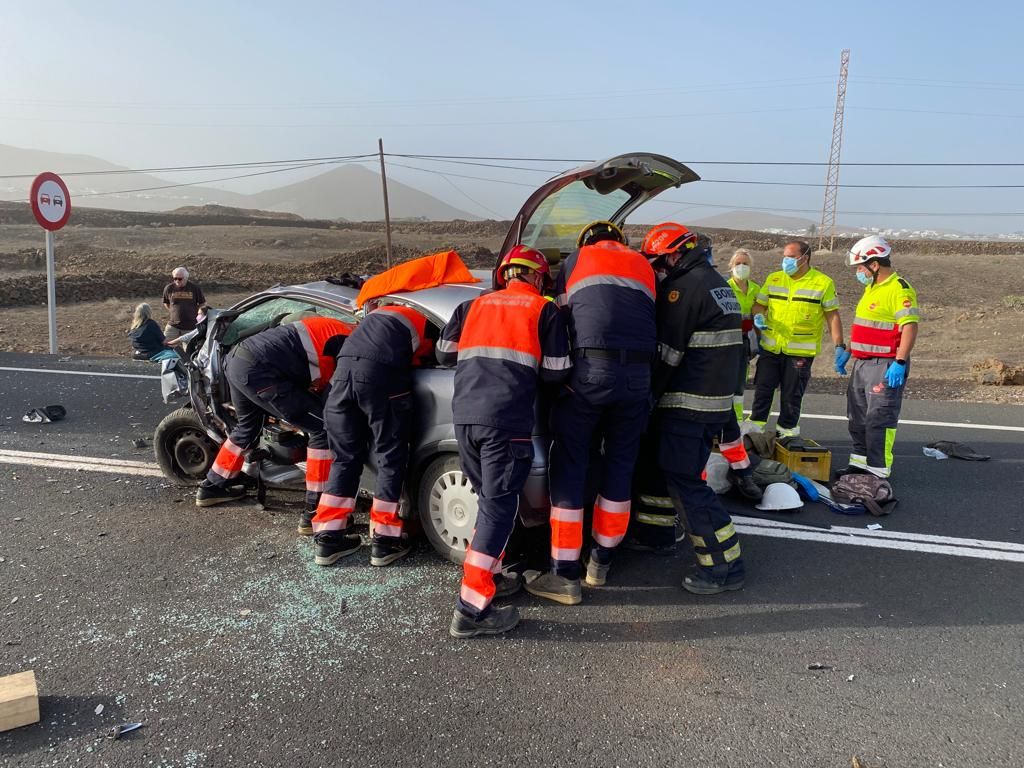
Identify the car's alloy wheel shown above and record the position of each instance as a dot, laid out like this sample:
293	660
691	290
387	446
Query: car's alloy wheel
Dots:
447	507
183	450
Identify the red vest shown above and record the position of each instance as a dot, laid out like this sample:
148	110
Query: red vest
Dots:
315	332
504	325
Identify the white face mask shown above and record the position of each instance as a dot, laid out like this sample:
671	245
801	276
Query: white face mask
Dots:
741	271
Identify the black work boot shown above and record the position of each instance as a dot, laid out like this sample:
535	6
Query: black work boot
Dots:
551	586
331	546
747	487
209	493
305	526
598	565
496	621
384	550
506	584
700	580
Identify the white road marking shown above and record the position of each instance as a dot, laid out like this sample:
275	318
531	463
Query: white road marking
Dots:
82	463
916	423
861	537
81	373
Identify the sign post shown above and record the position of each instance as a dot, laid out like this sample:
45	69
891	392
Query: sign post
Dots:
51	205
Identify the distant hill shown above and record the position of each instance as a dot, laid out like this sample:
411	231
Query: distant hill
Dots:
350	193
755	221
226	210
15	160
353	192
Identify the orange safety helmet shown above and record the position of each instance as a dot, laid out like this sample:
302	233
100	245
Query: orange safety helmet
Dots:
669	237
523	256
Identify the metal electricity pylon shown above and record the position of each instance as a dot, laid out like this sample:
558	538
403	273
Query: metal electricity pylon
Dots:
827	232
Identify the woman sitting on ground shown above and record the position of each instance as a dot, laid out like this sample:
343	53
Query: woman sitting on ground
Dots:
147	339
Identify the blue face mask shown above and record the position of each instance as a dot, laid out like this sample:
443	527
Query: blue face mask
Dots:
789	265
864	279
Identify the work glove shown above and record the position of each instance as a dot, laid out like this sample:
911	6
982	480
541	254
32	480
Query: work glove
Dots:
896	374
842	358
760	322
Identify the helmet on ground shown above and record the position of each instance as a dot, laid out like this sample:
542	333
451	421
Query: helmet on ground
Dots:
667	238
717	470
780	497
597	231
868	248
521	258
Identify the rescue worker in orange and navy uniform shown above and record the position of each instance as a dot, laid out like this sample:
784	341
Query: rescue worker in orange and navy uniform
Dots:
505	343
282	371
370	402
700	351
607	291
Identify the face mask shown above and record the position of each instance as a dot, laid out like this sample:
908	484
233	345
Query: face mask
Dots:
789	265
864	279
741	271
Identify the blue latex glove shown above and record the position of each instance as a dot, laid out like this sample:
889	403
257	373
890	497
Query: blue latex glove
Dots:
760	322
842	358
896	374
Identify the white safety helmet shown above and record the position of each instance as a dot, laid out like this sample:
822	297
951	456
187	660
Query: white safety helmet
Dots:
718	473
780	497
867	248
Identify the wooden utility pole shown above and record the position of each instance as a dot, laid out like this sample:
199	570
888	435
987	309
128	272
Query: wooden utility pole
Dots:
387	209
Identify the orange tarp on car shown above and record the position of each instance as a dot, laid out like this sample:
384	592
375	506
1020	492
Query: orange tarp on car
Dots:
415	275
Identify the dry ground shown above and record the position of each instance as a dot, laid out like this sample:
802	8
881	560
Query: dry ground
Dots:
973	301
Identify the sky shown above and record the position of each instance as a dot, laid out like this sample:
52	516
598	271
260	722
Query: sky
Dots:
183	83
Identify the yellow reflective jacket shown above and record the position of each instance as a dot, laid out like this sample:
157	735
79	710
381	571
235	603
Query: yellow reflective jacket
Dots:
796	312
746	300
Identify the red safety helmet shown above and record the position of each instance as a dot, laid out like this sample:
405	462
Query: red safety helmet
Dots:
523	256
667	238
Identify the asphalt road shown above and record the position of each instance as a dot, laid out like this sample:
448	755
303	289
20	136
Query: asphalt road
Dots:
215	629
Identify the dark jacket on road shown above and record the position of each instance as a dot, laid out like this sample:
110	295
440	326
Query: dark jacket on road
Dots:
700	343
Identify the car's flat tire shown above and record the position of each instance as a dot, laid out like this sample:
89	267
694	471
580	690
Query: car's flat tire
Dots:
447	506
183	450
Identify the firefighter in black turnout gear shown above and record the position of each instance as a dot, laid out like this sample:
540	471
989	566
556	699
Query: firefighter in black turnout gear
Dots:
700	348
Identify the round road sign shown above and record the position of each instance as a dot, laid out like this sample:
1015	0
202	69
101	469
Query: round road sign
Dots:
51	203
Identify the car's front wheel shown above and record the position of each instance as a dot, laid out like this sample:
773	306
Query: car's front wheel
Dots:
447	507
183	450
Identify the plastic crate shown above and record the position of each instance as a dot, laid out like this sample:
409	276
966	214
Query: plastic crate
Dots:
815	463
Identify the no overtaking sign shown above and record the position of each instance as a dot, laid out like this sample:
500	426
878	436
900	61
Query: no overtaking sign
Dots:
51	205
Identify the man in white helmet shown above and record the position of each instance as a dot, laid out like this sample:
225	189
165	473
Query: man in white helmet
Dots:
881	340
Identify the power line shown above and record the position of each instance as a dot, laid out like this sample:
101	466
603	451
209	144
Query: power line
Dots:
843	212
866	186
205	181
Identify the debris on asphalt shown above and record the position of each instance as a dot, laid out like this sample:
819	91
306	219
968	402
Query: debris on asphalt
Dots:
817	666
874	527
958	450
934	453
99	709
45	415
245	612
119	730
140	442
850	679
14	600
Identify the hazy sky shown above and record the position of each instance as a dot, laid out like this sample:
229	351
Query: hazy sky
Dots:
144	84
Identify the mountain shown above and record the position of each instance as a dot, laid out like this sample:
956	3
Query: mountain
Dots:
353	192
347	192
756	221
84	189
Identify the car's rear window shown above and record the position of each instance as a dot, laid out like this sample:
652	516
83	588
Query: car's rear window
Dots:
271	308
560	218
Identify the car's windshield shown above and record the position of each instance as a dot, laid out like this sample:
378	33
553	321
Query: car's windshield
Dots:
268	310
558	220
